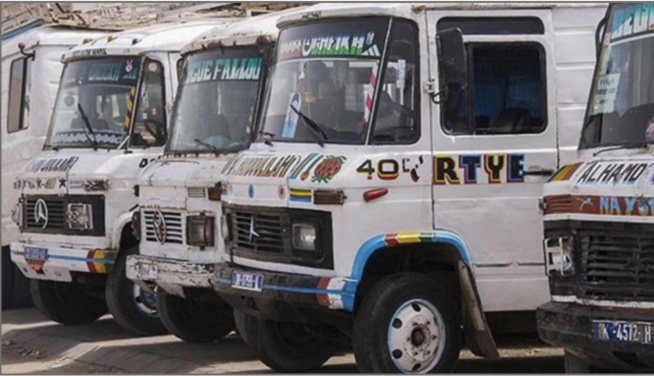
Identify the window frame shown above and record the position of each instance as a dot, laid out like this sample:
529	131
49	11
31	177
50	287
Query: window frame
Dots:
137	104
470	89
22	125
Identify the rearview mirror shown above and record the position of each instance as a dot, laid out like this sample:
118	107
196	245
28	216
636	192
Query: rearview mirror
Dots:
452	61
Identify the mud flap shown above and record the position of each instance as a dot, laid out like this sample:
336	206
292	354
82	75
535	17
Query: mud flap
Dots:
475	328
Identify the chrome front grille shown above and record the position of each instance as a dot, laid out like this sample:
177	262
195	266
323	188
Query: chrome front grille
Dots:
55	214
259	232
617	266
172	230
47	214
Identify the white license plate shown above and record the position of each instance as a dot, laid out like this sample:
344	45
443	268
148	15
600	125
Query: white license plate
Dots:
622	331
247	281
36	254
147	271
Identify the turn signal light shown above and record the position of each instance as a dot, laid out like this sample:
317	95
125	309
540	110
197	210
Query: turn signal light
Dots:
215	192
328	197
374	194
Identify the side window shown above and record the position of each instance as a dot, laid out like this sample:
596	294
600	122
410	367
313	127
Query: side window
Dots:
506	91
149	127
18	101
398	111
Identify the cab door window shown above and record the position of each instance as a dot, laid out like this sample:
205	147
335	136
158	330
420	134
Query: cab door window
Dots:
18	102
149	125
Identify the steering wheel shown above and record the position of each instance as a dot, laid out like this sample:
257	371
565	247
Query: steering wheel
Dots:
158	131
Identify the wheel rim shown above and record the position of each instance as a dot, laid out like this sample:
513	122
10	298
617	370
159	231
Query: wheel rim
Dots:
145	302
416	336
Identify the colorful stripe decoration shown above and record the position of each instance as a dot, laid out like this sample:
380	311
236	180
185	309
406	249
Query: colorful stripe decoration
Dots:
408	238
102	261
370	93
130	107
302	165
566	172
300	195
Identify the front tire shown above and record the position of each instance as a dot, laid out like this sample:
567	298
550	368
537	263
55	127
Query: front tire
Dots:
66	302
285	346
193	321
133	308
407	323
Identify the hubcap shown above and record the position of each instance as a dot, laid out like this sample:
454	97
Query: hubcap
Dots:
146	302
416	336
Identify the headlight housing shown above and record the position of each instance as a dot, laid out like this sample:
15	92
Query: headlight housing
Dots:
92	185
79	216
305	236
558	256
200	231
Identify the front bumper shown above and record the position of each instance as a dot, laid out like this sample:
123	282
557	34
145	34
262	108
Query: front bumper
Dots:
569	326
57	263
171	275
302	290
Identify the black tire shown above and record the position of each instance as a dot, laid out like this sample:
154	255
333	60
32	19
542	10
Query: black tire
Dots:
66	302
246	333
574	364
411	310
135	313
7	278
192	321
285	346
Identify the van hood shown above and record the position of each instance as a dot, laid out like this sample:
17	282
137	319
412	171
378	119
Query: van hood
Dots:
204	171
603	188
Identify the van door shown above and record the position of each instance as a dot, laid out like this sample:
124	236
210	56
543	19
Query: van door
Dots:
495	144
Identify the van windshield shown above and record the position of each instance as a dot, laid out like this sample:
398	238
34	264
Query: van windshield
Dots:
216	100
621	108
92	103
322	86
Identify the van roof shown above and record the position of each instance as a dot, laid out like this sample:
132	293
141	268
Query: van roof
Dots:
407	10
48	35
170	36
242	32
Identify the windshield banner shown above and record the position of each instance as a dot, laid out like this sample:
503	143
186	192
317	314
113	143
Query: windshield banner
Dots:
631	19
244	65
333	39
122	72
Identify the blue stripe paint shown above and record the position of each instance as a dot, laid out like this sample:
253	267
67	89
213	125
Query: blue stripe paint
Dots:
377	242
302	290
73	258
300	199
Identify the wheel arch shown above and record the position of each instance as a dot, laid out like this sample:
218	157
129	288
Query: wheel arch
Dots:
437	251
122	236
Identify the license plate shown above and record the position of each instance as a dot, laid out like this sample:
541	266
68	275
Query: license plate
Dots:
622	331
147	271
247	281
36	254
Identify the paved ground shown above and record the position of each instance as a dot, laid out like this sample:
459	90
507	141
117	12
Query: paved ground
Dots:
31	344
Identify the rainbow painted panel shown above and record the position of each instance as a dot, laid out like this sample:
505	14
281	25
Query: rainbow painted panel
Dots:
300	195
102	261
565	172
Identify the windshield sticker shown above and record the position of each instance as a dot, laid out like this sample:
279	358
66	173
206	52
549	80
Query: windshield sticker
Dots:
327	169
354	45
77	137
238	69
290	121
463	169
607	89
112	71
101	71
51	165
90	52
631	20
612	173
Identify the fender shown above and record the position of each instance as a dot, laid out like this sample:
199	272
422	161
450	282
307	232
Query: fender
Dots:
118	226
477	332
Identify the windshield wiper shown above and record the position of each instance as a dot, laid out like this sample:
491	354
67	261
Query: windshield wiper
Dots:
312	125
267	137
209	146
628	145
87	125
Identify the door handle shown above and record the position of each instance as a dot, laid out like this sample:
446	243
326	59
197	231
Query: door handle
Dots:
541	172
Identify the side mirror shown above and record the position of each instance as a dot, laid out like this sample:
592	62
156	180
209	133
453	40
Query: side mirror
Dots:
452	61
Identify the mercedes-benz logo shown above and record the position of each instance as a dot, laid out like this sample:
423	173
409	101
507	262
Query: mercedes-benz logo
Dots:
41	213
253	233
159	224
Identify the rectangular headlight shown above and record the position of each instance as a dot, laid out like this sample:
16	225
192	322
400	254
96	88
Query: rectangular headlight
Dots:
200	231
558	256
304	236
79	216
